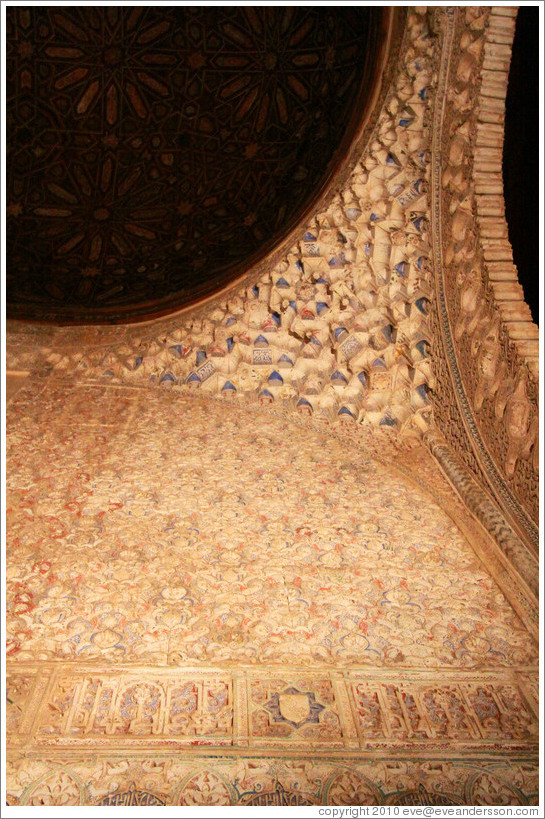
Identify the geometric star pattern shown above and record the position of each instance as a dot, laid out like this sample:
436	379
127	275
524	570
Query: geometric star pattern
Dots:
156	153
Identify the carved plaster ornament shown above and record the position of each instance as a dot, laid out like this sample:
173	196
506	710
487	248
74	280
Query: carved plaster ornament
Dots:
279	300
484	329
228	363
459	148
492	371
404	86
467	68
341	294
336	212
235	306
455	179
533	447
312	385
460	209
255	314
249	378
461	252
471	44
462	99
483	325
505	389
471	302
476	17
517	420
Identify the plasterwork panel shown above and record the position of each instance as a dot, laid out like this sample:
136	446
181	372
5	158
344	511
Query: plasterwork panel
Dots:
184	779
183	577
492	540
167	530
59	706
343	327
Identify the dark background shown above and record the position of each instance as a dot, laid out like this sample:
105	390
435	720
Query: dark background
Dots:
521	170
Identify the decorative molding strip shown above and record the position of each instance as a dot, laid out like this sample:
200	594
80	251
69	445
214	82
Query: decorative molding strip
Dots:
487	173
361	708
487	513
449	472
272	779
453	228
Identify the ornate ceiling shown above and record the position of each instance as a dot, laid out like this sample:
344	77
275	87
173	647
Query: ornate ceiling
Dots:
156	153
372	386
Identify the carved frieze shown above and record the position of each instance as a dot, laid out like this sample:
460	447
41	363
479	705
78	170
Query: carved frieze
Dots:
248	779
362	709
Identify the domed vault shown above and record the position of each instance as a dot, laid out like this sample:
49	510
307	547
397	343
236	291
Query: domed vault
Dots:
156	154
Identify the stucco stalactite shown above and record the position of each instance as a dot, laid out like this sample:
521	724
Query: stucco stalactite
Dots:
336	327
237	571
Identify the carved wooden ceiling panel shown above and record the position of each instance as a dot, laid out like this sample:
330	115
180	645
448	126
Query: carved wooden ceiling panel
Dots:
155	153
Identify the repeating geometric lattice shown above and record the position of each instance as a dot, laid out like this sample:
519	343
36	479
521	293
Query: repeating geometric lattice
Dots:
154	153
